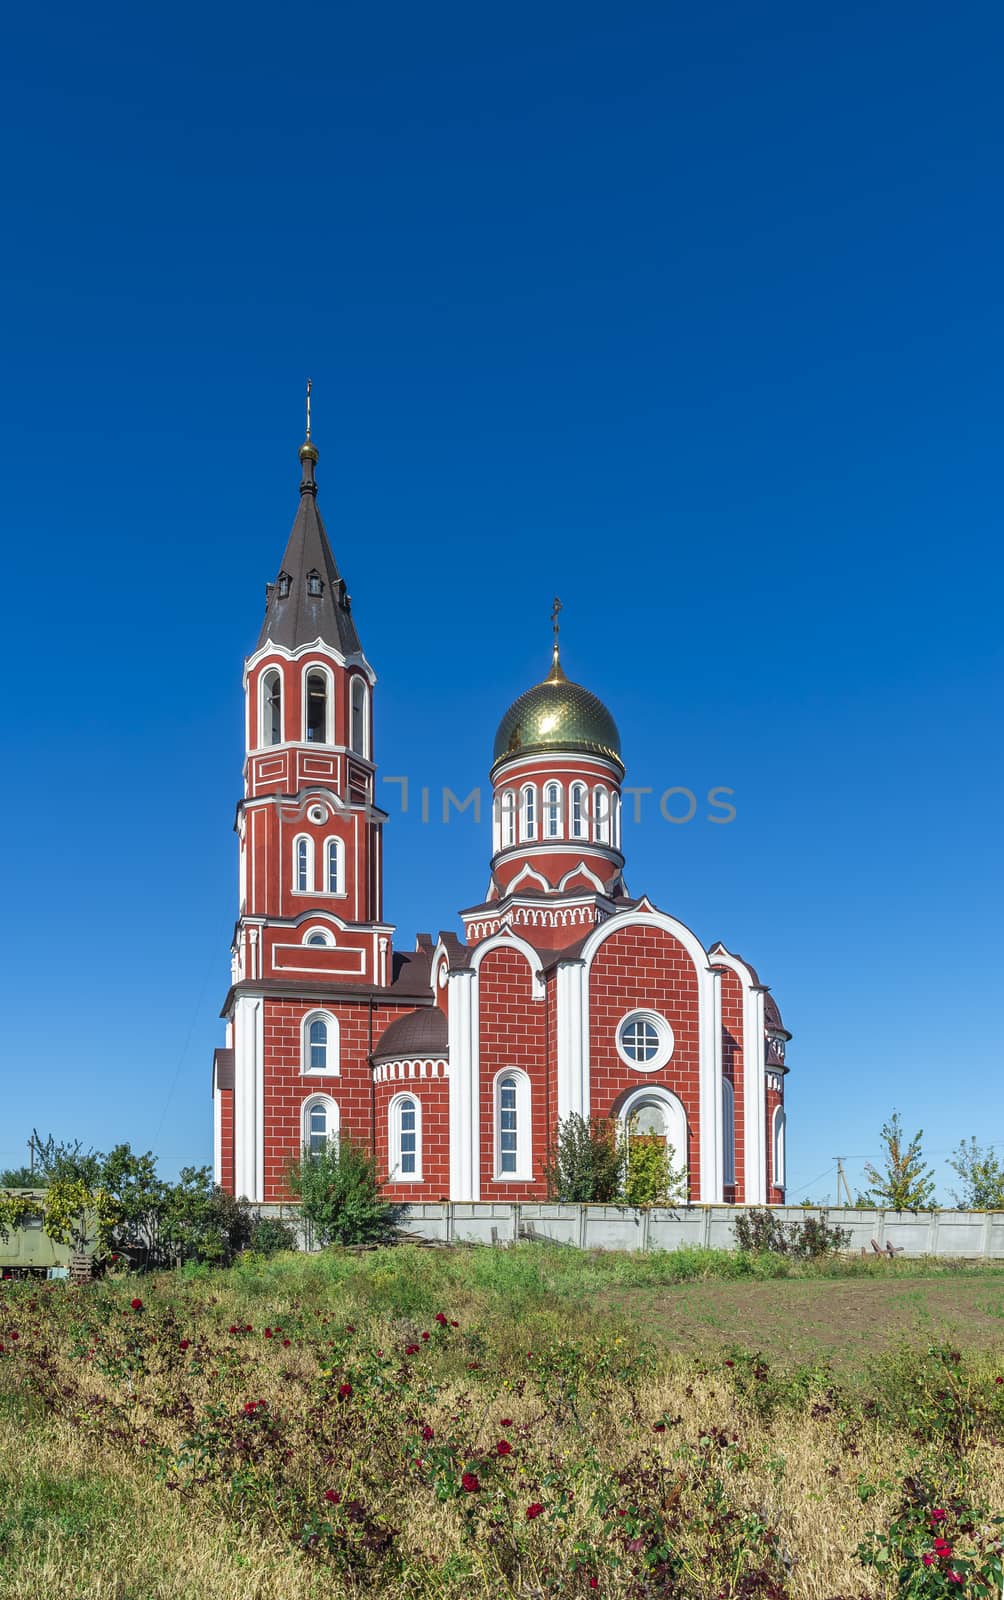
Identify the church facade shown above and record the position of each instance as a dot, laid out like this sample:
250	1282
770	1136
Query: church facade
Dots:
454	1061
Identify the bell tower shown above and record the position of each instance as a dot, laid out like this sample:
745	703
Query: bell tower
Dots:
310	838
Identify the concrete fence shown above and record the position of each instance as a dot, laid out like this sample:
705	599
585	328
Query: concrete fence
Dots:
969	1234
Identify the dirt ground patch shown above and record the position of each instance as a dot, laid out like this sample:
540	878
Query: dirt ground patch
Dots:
836	1321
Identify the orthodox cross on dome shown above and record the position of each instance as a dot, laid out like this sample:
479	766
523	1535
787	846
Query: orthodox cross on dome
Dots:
309	387
556	675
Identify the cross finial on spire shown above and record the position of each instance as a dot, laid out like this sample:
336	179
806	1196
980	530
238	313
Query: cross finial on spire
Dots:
556	675
309	387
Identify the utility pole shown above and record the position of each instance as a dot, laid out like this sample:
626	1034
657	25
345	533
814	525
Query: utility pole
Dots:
842	1179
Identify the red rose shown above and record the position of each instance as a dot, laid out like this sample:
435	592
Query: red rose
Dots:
505	1422
942	1547
658	1427
183	1345
332	1497
533	1510
136	1304
999	1380
233	1327
268	1333
287	1342
938	1515
953	1576
440	1318
349	1326
470	1483
425	1336
457	1325
15	1335
344	1391
503	1448
594	1583
427	1433
249	1328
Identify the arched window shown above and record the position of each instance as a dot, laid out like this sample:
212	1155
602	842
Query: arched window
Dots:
303	864
528	807
656	1111
579	810
615	813
316	707
728	1132
601	816
404	1141
319	1123
508	819
358	720
778	1128
552	811
319	1043
334	876
320	938
270	725
512	1124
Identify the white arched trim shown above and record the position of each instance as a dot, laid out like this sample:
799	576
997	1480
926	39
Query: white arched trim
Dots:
601	814
778	1128
753	1106
334	857
582	871
552	811
507	819
404	1139
728	1133
304	880
673	1114
578	811
527	874
310	1132
709	1032
529	821
359	716
319	1045
267	710
329	700
505	940
319	936
512	1134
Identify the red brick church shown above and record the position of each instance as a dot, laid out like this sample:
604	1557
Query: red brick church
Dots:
455	1060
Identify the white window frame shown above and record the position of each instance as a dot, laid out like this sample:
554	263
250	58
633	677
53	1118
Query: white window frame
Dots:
329	702
333	1046
303	839
267	675
359	690
528	813
524	1129
666	1041
334	1119
319	937
728	1132
779	1154
615	817
601	814
551	811
579	801
394	1157
339	844
674	1116
508	834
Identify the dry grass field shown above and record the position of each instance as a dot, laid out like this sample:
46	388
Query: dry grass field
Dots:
526	1423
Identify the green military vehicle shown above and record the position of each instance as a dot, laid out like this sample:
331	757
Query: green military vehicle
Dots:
28	1252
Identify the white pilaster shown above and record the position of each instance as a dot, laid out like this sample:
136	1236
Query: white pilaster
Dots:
249	1107
465	1120
754	1097
710	1088
573	1040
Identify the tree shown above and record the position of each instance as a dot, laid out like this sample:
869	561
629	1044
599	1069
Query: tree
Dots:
649	1175
339	1194
982	1176
19	1178
905	1183
586	1162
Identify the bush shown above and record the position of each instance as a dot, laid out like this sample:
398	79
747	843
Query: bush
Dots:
339	1194
650	1178
759	1230
586	1162
270	1235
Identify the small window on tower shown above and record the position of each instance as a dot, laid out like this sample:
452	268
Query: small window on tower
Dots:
357	726
317	707
272	708
283	584
314	585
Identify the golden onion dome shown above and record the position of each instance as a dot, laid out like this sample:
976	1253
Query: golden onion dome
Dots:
557	715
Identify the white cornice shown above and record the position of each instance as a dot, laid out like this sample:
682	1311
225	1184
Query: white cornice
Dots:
316	647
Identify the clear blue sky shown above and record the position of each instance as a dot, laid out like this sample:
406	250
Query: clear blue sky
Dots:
690	314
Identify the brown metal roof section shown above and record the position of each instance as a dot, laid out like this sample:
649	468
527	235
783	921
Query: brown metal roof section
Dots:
223	1069
308	600
418	1035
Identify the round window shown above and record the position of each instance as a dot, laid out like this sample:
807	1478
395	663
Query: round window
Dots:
317	814
645	1041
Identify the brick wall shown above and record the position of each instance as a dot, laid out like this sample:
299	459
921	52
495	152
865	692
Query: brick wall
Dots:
512	1034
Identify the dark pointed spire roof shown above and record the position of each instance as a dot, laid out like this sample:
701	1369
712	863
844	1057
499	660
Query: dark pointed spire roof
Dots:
308	600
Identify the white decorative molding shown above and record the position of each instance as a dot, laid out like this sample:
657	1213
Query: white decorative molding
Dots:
754	1105
573	1028
465	1121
